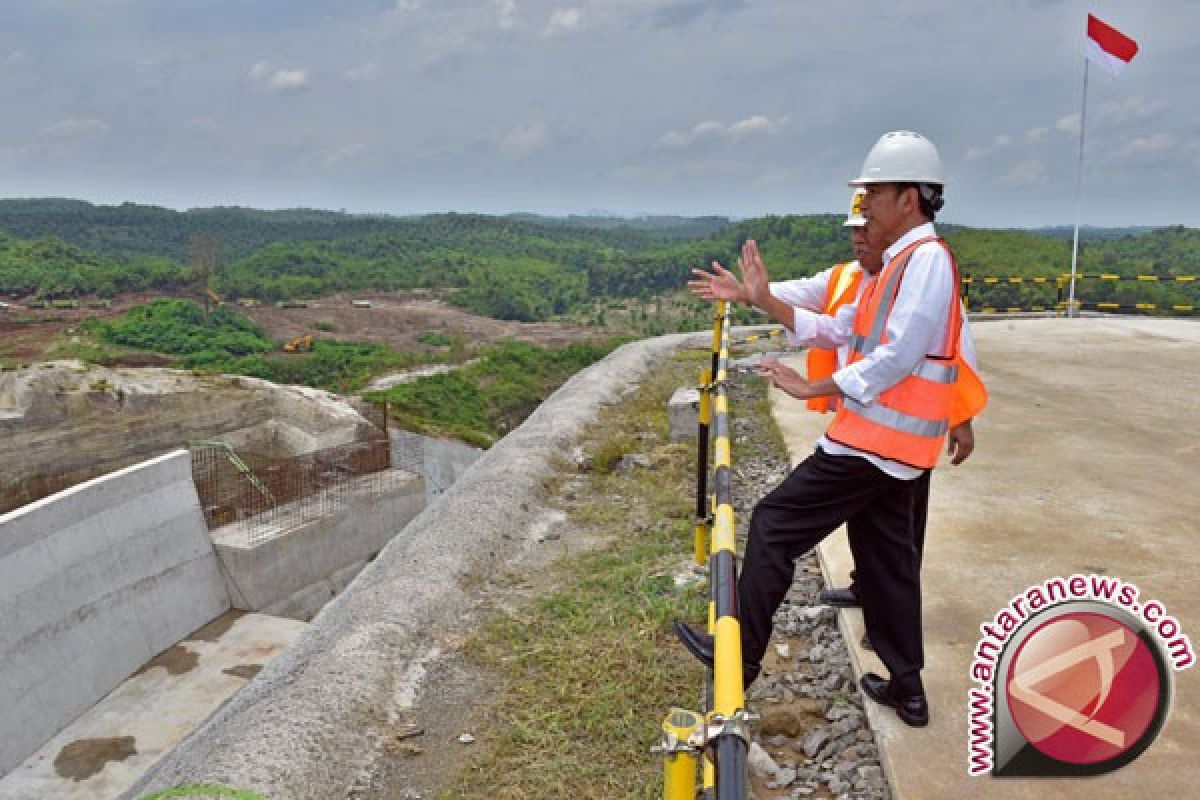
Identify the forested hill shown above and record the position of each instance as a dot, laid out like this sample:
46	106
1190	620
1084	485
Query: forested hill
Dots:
131	229
515	267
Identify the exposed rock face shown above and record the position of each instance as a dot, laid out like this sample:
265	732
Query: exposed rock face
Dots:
62	422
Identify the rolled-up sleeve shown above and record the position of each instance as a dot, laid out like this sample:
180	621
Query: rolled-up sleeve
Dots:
804	292
813	329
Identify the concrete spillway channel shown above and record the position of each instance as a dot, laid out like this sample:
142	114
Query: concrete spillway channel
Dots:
309	725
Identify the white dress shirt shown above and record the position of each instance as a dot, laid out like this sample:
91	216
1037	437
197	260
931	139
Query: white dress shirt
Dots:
915	327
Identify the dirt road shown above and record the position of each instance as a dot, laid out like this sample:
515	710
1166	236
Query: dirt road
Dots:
1087	461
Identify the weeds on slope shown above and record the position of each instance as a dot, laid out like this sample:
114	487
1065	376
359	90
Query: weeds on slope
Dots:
590	668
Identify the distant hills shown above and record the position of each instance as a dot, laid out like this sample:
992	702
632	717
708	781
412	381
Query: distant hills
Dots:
1092	233
519	266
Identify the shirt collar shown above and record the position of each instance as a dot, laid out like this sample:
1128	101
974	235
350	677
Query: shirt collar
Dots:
922	231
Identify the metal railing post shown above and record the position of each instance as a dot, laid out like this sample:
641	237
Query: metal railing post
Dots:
727	717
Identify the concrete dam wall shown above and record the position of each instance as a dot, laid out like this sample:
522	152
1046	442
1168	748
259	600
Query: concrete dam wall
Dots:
94	582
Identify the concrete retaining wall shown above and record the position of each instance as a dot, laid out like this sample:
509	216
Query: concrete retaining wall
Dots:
297	570
94	582
309	725
440	461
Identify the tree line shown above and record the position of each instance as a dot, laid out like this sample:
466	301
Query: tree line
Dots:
515	267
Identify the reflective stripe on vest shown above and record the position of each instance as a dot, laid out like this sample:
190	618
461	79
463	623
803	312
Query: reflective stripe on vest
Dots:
892	418
907	421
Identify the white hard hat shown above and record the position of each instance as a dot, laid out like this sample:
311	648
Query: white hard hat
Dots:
902	157
855	218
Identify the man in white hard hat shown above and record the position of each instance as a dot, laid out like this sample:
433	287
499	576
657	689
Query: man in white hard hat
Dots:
826	292
896	398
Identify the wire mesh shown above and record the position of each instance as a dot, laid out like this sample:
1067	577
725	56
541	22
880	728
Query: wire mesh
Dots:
265	494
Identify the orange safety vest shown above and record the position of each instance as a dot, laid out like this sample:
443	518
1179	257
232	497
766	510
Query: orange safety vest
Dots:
908	421
842	288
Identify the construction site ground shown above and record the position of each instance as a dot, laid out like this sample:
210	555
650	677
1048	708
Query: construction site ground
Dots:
28	335
398	318
1086	461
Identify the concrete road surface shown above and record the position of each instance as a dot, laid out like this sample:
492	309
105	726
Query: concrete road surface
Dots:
1087	461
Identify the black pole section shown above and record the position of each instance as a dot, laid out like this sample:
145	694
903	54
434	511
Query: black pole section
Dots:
702	465
731	767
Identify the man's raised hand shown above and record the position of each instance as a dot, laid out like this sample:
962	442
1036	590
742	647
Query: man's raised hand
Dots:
720	284
754	273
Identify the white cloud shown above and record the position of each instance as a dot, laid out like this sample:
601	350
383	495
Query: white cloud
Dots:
999	142
563	20
1031	172
524	140
279	80
751	126
1151	144
1036	134
756	125
77	128
15	58
1068	124
506	14
1131	107
288	80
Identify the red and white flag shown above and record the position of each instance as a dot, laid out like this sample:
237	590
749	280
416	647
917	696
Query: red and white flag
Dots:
1107	47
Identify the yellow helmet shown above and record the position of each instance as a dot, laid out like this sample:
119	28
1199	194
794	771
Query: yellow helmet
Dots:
855	218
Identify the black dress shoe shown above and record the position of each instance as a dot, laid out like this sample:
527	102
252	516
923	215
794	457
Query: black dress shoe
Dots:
700	644
913	710
841	598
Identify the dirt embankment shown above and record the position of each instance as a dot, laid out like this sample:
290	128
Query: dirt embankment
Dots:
398	318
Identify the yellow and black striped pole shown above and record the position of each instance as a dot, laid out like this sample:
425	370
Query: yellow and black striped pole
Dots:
704	421
726	717
719	739
681	752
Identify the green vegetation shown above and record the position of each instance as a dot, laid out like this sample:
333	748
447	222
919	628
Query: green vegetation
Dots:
178	327
482	401
435	339
519	267
230	343
52	270
587	671
335	366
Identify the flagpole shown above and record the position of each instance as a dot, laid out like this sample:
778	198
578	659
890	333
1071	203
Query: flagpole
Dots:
1078	193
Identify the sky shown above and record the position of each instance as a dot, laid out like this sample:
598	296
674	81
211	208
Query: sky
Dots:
731	107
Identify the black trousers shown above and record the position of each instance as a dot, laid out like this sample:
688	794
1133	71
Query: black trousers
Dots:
822	493
920	515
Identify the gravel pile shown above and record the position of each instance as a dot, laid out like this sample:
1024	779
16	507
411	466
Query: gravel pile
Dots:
813	740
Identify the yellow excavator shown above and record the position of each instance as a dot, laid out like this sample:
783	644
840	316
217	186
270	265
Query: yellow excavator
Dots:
301	344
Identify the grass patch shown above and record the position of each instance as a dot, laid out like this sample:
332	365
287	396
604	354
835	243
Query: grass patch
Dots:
589	670
481	402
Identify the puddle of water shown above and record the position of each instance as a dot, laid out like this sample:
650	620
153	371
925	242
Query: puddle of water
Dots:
176	661
214	630
82	759
246	671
